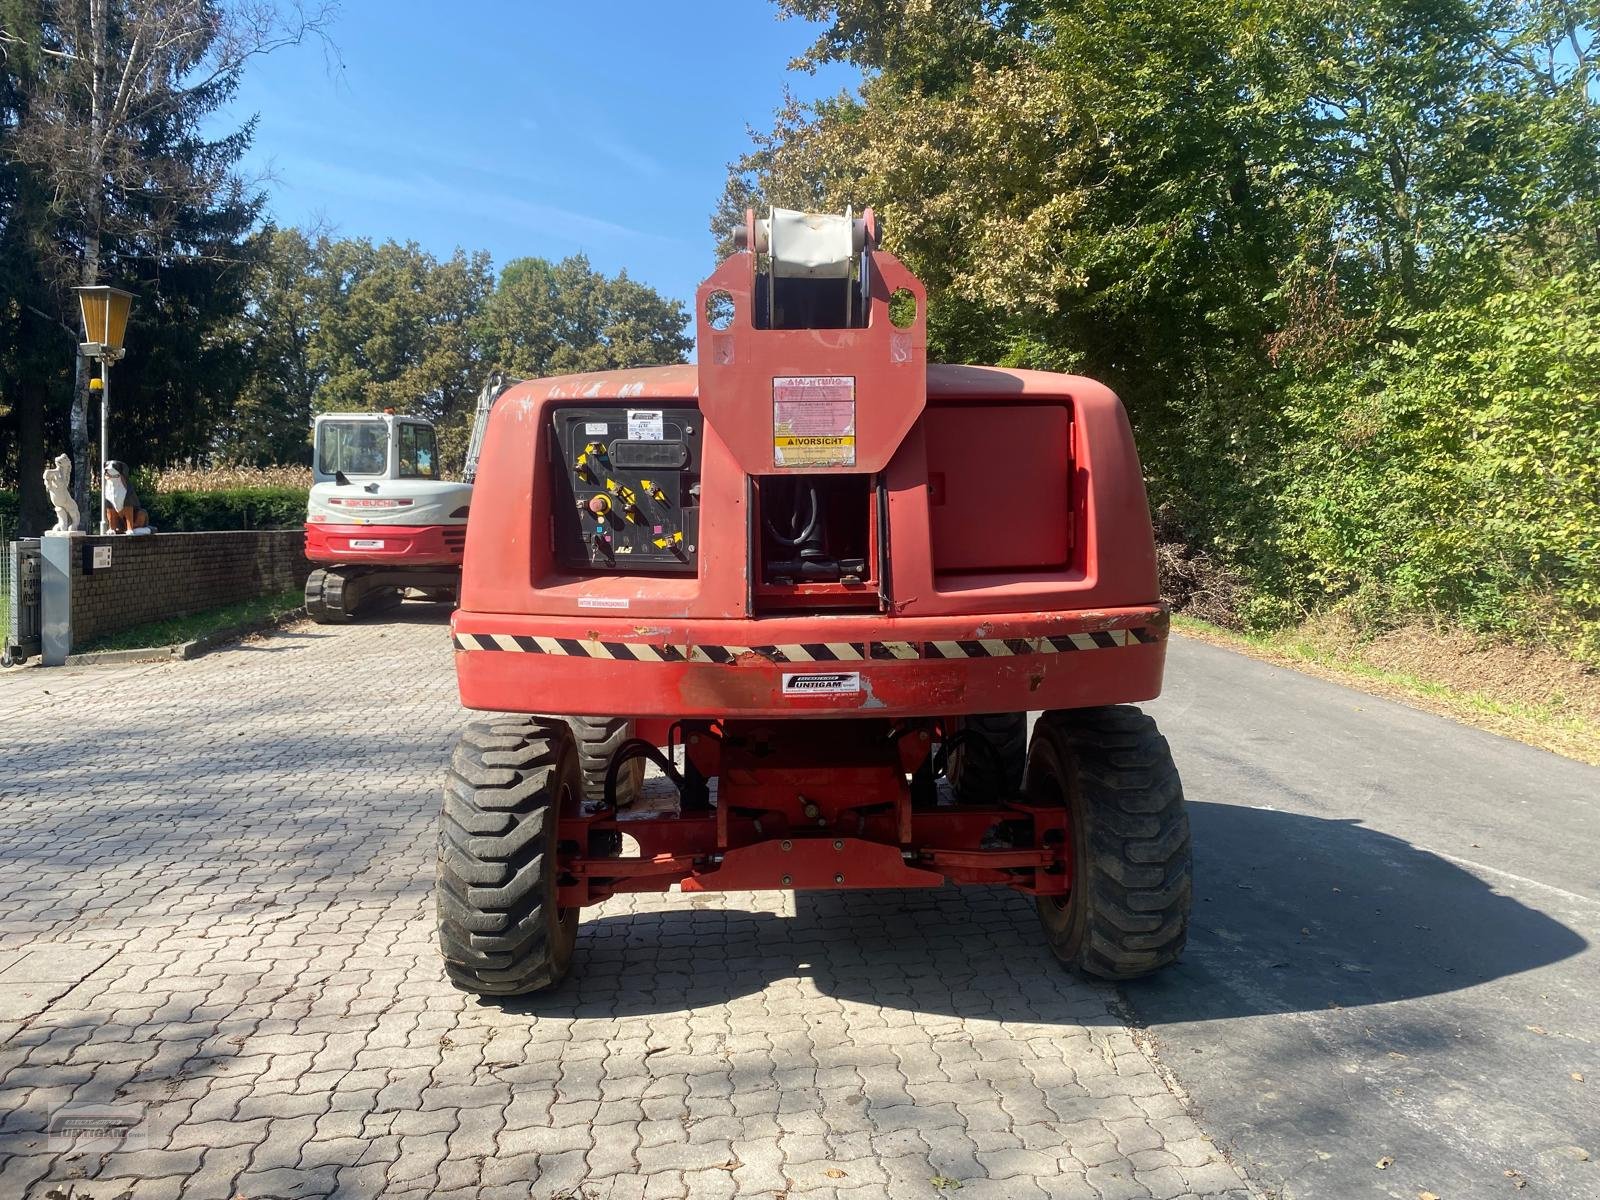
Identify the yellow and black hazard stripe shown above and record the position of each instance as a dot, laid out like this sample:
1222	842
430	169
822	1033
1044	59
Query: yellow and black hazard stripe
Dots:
808	652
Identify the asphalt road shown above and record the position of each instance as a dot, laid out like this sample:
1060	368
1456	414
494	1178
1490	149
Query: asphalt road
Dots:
1392	954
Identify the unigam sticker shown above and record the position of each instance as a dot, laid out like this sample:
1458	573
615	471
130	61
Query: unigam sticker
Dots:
821	683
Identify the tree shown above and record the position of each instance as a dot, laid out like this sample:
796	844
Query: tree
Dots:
1128	223
341	324
1272	226
395	329
332	324
270	420
114	94
554	318
35	345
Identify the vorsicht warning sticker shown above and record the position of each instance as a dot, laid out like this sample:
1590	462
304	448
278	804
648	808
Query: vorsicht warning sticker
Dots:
814	421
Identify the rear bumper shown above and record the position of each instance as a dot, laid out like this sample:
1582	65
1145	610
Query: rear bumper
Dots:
408	545
837	666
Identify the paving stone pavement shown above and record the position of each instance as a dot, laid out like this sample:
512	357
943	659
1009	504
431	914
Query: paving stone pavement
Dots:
215	905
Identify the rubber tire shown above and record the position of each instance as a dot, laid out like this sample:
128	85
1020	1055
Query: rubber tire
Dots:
500	931
1128	912
598	740
979	778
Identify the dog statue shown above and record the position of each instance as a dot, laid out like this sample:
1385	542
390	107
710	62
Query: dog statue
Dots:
58	484
123	514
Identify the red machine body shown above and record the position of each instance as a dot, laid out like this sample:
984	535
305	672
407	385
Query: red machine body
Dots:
402	545
1000	467
1000	560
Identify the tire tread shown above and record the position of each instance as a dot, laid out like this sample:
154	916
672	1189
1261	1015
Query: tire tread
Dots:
494	835
981	778
1137	847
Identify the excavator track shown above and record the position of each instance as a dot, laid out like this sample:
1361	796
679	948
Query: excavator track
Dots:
338	595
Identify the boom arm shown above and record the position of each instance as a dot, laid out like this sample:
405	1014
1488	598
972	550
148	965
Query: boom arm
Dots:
487	395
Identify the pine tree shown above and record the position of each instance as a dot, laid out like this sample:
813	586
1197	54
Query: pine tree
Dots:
108	125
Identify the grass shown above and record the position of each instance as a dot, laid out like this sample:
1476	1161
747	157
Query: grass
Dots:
1531	695
153	634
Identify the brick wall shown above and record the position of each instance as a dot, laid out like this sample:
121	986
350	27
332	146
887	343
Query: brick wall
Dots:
161	575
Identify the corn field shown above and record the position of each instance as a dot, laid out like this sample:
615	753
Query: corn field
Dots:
191	477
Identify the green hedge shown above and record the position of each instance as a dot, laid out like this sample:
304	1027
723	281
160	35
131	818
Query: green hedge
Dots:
241	508
1456	472
191	512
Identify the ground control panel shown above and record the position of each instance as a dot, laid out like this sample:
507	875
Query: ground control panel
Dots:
629	498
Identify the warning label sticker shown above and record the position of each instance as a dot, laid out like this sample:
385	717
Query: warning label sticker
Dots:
814	421
645	425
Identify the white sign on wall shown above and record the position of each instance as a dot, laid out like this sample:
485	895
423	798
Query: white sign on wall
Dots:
102	557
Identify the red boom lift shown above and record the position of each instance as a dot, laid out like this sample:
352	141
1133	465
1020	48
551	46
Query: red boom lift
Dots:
805	578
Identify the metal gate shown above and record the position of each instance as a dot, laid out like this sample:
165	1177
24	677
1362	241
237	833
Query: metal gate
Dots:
19	589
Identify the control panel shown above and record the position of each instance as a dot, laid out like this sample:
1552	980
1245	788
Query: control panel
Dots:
628	488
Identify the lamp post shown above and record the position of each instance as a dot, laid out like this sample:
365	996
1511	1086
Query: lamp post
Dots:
105	319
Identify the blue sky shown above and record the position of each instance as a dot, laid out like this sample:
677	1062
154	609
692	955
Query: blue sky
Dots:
526	128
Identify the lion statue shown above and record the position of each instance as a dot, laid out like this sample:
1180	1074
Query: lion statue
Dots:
58	484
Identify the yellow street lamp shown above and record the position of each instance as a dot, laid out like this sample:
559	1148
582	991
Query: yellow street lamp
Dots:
105	319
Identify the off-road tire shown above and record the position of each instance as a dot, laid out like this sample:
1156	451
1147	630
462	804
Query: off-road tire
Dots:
598	740
500	930
1128	911
979	778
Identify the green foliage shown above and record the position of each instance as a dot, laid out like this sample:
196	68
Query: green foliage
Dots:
1339	262
346	325
559	318
397	333
240	508
117	165
240	332
195	511
270	421
1459	470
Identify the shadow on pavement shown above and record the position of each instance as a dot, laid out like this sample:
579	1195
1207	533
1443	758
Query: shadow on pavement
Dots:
1292	914
409	612
1295	913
